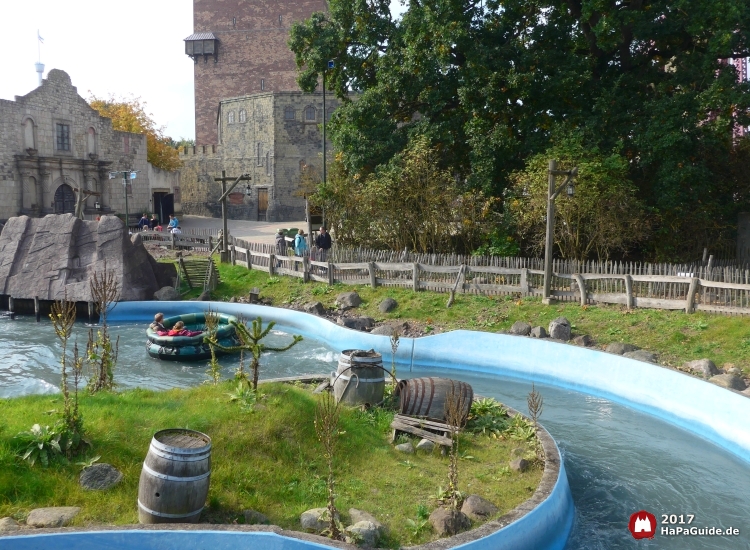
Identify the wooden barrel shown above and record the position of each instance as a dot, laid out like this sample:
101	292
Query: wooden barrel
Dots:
426	397
364	382
175	477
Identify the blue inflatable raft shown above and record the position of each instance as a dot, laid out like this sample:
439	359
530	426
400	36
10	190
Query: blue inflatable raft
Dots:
190	348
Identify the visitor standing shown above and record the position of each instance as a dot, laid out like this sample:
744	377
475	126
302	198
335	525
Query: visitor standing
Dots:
323	243
300	244
280	245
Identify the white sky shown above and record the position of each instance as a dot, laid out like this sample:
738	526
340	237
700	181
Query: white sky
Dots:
134	47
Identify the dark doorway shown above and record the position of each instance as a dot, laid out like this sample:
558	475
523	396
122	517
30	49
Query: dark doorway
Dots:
65	200
163	206
262	204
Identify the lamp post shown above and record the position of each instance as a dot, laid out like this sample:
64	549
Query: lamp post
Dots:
126	175
331	65
552	193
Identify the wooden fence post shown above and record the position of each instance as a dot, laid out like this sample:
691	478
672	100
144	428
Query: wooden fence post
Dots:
415	277
525	288
581	287
629	291
373	280
330	273
233	255
173	239
690	302
249	259
271	265
305	269
210	244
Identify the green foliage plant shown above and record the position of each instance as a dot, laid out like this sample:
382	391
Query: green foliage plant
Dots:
250	341
422	522
327	418
101	355
41	443
212	324
455	405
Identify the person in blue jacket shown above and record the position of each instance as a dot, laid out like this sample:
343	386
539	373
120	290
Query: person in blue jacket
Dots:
300	244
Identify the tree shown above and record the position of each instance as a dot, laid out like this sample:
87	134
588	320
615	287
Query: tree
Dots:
488	82
603	217
129	115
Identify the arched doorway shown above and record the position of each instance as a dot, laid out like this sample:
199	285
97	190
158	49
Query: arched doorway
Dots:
65	200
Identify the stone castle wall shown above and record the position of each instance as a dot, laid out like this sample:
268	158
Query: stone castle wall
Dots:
253	55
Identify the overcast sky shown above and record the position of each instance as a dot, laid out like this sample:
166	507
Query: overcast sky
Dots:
126	48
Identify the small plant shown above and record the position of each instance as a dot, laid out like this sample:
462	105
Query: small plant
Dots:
535	402
395	334
320	290
88	463
212	325
521	429
327	430
101	355
246	397
42	444
416	527
273	280
455	405
488	417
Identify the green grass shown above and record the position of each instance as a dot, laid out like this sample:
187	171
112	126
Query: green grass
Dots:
268	460
676	336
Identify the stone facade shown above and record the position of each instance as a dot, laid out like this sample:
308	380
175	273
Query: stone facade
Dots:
252	54
270	136
52	142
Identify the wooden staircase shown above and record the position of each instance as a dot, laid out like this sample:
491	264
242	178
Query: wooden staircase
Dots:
199	272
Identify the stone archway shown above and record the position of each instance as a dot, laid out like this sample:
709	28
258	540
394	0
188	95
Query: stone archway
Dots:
65	200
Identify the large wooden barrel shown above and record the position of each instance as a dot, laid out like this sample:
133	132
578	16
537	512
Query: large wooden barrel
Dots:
427	396
360	377
175	477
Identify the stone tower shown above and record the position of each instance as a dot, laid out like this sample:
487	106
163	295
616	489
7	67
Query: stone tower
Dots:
240	48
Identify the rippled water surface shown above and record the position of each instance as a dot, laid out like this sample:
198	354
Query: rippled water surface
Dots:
618	460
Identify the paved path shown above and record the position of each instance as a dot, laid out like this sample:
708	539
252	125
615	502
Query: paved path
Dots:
259	232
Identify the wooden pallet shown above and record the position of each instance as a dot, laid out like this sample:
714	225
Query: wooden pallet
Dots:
194	271
437	432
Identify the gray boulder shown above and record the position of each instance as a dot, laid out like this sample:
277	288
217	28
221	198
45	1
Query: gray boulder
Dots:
405	447
254	518
315	519
729	381
641	355
387	305
166	294
733	370
348	300
8	524
446	521
478	509
365	533
100	477
52	517
620	348
356	323
205	296
359	515
316	308
426	445
520	328
559	329
57	255
704	367
538	332
584	340
519	464
388	328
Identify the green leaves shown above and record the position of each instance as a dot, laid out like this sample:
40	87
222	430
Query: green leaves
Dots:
41	443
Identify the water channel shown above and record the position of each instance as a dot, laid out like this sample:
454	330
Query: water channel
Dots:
618	460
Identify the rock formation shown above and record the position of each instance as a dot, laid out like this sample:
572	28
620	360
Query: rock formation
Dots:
55	256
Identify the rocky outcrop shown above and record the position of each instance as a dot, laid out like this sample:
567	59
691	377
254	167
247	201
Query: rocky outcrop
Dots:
704	367
520	328
100	477
559	329
55	256
52	517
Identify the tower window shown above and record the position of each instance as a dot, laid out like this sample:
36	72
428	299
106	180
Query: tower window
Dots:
280	20
63	137
262	84
260	154
243	115
234	21
289	113
230	117
310	113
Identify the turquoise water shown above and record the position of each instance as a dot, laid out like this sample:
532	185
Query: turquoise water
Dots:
618	461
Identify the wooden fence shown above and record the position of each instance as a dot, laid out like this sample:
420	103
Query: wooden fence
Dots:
689	287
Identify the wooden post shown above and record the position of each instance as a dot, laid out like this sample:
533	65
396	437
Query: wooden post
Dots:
690	302
549	238
330	274
210	244
415	277
184	270
91	311
525	288
173	239
629	291
233	254
305	269
373	280
11	304
710	264
272	265
581	287
36	309
705	255
249	258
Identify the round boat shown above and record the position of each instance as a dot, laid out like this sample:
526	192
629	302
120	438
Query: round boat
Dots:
190	348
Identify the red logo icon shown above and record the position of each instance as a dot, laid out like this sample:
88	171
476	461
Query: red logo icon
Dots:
642	525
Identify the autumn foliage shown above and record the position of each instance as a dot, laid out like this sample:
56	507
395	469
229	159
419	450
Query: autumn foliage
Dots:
129	115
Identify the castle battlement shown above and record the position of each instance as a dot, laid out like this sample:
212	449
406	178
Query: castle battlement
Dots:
199	151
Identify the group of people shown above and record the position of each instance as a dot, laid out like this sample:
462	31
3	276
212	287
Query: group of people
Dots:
322	244
177	330
153	224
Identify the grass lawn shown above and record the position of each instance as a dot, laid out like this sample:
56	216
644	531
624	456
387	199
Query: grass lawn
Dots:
268	460
675	336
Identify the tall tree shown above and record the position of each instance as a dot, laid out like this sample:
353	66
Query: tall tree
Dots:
129	115
487	82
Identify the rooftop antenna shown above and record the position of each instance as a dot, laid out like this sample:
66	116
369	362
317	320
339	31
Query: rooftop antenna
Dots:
39	65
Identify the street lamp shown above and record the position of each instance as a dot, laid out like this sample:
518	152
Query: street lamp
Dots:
331	65
126	175
552	193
